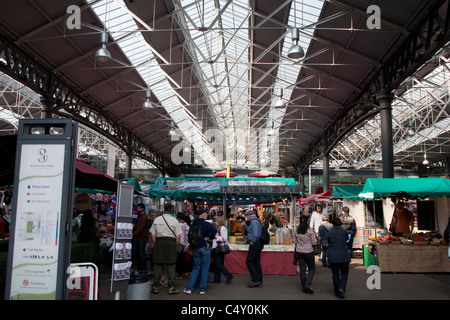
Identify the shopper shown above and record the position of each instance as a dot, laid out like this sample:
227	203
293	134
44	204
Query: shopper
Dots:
201	235
166	232
253	229
305	239
140	239
219	258
338	257
324	228
182	263
349	225
316	218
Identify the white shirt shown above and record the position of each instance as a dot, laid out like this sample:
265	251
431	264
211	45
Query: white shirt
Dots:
159	227
316	221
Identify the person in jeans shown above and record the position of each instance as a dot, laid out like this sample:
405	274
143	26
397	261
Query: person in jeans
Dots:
305	239
202	254
253	229
140	239
324	228
338	257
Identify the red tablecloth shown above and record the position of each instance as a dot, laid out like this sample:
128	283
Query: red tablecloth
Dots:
272	262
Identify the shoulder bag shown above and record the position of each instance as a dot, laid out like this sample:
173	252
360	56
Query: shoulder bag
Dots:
222	248
180	246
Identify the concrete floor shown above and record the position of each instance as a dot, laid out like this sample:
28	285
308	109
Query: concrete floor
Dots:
392	286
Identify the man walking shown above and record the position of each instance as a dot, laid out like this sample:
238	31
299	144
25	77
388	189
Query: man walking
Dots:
349	225
200	237
253	229
166	231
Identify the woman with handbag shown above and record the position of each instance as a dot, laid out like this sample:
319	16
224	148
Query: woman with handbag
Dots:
305	240
220	249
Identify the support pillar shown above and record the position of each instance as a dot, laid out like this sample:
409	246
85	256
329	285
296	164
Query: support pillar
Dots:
129	160
387	149
326	172
326	166
47	107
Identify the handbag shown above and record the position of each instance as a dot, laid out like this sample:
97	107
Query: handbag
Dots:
318	246
189	251
295	261
222	248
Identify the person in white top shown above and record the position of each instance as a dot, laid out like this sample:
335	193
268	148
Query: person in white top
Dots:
316	218
182	265
219	258
166	231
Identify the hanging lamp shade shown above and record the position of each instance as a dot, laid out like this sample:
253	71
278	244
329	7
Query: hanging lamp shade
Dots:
296	51
103	54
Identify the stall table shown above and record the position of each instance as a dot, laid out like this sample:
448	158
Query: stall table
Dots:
275	259
412	258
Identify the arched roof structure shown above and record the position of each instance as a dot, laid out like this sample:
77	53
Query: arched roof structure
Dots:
215	70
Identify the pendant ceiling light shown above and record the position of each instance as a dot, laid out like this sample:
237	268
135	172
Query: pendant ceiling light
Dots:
296	51
280	102
147	103
102	54
410	132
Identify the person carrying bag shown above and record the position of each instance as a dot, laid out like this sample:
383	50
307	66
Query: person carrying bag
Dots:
220	249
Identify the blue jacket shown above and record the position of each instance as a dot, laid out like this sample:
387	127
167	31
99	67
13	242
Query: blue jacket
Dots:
253	230
208	231
337	251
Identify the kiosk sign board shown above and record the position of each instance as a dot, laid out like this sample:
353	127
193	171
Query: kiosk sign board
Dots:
43	189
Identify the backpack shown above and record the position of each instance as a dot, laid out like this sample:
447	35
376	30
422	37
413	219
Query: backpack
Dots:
195	235
265	236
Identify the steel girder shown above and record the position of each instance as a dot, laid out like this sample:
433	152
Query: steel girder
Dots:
420	45
66	102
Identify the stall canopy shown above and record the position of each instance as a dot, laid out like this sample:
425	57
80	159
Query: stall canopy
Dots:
216	188
264	174
223	174
315	197
89	177
418	188
347	191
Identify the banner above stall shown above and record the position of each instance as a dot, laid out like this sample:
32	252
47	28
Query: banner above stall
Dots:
415	188
213	188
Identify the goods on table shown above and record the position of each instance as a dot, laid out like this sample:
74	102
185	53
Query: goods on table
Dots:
419	239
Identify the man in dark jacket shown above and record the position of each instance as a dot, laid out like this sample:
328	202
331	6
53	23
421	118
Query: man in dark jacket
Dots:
253	229
349	225
338	257
140	238
202	252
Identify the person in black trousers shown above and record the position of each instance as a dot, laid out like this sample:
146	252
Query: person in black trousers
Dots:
338	257
253	230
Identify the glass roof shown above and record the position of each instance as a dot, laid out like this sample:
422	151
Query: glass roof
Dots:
216	34
216	37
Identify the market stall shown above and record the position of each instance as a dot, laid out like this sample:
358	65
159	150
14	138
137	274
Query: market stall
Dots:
349	196
275	259
422	251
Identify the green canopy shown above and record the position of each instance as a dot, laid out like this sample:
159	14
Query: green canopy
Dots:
346	191
213	188
413	187
134	182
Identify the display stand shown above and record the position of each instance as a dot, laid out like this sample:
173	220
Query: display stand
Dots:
123	234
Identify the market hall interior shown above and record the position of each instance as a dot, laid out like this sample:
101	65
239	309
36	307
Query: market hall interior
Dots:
269	105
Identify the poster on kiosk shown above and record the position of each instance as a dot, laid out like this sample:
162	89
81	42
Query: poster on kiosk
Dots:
42	210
